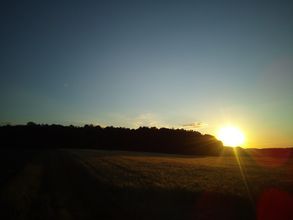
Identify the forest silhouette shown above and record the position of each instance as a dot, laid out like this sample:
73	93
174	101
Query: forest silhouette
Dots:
143	139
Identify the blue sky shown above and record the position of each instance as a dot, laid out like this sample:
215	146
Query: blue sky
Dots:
152	63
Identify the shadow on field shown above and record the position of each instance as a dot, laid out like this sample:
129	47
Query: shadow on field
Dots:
58	186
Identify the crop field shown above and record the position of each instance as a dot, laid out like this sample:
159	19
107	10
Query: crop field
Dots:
90	184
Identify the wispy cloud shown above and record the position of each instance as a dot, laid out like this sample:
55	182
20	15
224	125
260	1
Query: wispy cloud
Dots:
134	121
194	125
148	120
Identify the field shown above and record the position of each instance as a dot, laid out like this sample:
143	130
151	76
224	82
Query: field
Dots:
89	184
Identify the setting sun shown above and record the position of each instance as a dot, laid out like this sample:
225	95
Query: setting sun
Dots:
231	136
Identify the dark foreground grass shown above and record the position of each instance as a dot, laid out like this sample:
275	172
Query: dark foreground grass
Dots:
120	185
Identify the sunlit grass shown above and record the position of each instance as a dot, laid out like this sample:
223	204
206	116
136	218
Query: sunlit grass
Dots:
227	174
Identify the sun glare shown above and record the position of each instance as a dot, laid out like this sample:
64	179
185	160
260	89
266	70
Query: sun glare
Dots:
231	136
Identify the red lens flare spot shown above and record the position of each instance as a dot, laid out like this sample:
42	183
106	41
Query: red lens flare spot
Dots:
275	204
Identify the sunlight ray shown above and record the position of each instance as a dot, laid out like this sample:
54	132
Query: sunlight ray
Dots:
243	174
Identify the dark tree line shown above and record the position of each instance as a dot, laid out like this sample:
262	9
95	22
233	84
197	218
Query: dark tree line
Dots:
146	139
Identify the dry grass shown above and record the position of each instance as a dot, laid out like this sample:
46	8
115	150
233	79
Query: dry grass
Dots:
87	184
194	174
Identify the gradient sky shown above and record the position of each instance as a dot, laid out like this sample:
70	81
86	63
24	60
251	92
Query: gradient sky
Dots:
191	64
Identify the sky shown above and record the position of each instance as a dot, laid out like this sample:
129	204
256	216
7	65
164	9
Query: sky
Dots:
180	64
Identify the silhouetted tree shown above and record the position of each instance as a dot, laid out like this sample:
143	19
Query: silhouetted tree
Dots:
148	139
